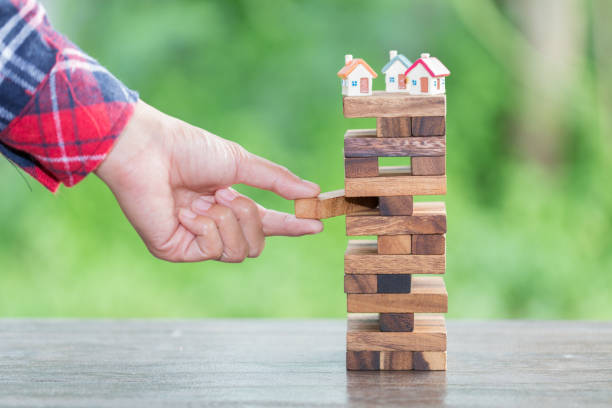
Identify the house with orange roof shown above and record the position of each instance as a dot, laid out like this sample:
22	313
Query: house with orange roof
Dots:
427	76
356	77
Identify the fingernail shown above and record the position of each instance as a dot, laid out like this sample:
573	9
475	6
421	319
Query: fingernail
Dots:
226	194
187	213
201	204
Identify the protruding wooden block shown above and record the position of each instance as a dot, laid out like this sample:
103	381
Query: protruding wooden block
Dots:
397	205
332	204
396	322
426	218
429	360
429	126
428	295
434	244
400	283
395	181
394	244
361	258
428	166
359	144
363	334
360	167
393	104
396	360
393	127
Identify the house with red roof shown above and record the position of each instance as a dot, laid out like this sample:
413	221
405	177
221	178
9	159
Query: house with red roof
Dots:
427	76
356	77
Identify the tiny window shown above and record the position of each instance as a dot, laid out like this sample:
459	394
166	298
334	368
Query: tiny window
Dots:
392	79
354	83
414	82
435	82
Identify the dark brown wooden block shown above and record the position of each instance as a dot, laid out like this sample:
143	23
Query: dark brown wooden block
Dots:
393	104
359	144
393	127
390	283
379	360
361	167
434	244
428	166
360	283
395	181
428	126
426	218
361	258
396	322
394	244
396	205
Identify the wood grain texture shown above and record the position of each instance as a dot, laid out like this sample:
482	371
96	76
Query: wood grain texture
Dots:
428	126
428	166
387	283
361	167
429	360
396	205
395	181
428	295
394	244
363	334
331	204
393	127
396	322
379	360
425	219
357	144
360	283
393	104
361	258
434	244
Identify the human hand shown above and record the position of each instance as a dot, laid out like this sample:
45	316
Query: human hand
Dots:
172	181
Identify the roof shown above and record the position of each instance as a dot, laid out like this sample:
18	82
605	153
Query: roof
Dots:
399	57
350	67
432	65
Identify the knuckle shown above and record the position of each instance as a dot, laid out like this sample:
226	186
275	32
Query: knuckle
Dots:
235	255
223	214
244	207
256	250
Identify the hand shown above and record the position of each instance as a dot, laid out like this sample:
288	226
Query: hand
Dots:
172	181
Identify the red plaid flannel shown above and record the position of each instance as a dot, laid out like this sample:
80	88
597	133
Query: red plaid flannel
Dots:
60	110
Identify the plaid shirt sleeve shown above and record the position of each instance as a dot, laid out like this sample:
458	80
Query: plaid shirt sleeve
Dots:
60	110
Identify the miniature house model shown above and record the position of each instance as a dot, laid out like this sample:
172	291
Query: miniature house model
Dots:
426	76
394	70
356	77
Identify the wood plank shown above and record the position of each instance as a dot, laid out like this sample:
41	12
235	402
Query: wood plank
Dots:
396	322
424	220
395	181
428	166
393	127
361	258
434	244
331	204
363	334
396	360
429	360
394	244
393	104
360	167
428	295
387	283
428	126
368	145
360	283
396	205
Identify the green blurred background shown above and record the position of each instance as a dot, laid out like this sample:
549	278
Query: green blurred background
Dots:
529	194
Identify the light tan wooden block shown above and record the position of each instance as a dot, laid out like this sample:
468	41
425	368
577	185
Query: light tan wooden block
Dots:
393	127
429	360
361	257
394	244
426	218
429	244
395	181
331	204
428	166
393	104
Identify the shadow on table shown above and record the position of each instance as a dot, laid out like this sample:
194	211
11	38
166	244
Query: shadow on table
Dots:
396	388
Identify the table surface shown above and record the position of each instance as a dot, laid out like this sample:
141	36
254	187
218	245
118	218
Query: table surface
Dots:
294	363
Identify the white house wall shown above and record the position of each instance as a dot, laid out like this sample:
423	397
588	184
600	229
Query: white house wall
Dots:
356	75
393	71
416	74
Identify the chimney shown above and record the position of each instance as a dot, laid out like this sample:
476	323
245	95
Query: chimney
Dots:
392	54
425	55
347	59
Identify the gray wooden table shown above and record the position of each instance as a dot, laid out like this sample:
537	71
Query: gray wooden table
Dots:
294	363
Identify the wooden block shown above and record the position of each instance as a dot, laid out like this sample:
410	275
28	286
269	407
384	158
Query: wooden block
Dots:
400	283
393	127
429	126
331	204
361	258
429	244
428	166
397	205
357	144
394	244
363	334
396	322
361	167
429	360
428	295
379	360
395	181
426	218
393	104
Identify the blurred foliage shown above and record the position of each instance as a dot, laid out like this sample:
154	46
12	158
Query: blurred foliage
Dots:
529	203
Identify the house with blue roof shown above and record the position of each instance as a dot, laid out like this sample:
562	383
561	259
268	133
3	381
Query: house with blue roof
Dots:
394	70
